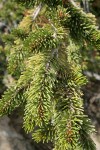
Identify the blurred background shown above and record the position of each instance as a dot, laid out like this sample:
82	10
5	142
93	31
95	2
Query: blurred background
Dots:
12	135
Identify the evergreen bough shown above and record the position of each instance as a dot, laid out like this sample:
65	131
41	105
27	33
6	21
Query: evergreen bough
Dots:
45	59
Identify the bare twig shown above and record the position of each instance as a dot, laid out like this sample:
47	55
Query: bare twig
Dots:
36	12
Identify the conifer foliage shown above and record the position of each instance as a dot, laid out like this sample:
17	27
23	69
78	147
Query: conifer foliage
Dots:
45	59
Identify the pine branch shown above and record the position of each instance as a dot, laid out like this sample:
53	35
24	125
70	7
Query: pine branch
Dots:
85	140
50	3
45	133
37	41
16	58
40	39
11	99
26	3
39	94
46	62
69	117
80	25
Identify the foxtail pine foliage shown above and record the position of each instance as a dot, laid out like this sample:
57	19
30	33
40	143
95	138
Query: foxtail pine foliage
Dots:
44	56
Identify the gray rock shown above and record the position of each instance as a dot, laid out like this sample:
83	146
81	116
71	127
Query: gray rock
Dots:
10	139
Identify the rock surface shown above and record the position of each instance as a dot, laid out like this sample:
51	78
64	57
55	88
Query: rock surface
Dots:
10	139
12	136
92	107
